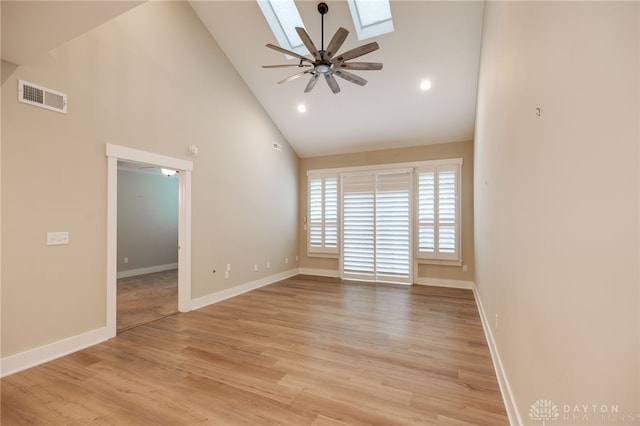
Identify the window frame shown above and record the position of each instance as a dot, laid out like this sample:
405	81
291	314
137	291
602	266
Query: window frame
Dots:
416	256
323	250
437	257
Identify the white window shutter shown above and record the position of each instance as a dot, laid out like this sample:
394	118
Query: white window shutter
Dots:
322	223
438	193
393	227
377	226
358	245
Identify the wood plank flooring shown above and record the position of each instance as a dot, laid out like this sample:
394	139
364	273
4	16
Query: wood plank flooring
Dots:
304	351
146	298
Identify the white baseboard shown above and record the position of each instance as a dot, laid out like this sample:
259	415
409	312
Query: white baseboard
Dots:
32	357
147	270
505	389
440	282
219	296
329	273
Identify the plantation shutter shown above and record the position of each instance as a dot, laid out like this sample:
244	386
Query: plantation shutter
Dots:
322	224
393	227
438	212
358	226
377	226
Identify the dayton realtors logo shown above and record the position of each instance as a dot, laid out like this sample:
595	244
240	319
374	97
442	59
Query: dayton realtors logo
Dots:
543	410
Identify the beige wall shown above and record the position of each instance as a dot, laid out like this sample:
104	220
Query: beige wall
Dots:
151	79
462	150
557	204
147	219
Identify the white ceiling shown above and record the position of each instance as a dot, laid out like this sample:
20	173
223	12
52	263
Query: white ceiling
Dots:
436	40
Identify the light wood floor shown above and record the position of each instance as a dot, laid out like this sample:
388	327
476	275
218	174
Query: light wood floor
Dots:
146	298
305	351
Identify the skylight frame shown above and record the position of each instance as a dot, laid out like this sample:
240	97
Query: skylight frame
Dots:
283	26
375	28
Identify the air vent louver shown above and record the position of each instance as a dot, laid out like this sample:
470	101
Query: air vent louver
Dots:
43	97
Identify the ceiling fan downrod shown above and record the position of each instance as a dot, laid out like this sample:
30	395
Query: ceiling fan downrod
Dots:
323	8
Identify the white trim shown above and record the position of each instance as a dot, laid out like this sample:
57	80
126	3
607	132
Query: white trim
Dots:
228	293
441	282
505	389
112	243
32	357
385	167
328	273
184	242
147	270
145	157
115	153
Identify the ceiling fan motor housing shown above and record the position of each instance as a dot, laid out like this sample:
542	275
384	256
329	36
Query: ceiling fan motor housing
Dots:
323	8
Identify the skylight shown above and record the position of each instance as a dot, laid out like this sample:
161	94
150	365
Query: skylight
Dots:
283	17
371	17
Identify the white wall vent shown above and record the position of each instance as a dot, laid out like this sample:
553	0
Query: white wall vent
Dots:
277	146
33	94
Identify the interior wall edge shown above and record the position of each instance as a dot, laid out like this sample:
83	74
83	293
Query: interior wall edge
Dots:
508	397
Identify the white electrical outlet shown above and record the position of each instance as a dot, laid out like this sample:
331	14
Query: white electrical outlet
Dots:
286	260
464	268
268	264
126	260
228	267
296	258
255	267
226	275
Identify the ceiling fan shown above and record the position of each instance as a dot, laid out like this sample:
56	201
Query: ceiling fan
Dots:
325	62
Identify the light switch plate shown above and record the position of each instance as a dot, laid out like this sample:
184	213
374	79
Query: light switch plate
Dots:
57	238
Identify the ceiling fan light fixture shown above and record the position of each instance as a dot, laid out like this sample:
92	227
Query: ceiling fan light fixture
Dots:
302	108
323	68
425	85
325	62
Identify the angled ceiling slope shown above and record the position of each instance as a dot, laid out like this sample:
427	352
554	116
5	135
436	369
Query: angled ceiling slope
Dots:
434	40
31	28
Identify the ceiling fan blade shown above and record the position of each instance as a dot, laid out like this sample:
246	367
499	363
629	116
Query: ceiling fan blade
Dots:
333	84
351	77
360	66
288	52
311	83
336	42
286	65
358	51
293	77
307	42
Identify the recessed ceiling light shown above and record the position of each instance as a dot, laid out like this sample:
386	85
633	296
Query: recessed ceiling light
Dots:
425	85
302	108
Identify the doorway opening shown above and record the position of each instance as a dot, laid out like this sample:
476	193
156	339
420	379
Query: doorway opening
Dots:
147	286
115	154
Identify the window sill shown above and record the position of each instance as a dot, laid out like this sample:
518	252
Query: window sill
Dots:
439	262
325	255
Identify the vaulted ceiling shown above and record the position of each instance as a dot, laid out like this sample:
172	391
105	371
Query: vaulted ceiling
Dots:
434	40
